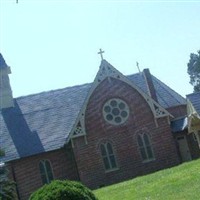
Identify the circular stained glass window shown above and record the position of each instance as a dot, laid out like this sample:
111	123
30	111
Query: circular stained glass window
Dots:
115	111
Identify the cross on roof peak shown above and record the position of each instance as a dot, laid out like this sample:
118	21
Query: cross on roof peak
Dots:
101	53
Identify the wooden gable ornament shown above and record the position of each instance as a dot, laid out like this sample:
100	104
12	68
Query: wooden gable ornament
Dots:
193	118
106	70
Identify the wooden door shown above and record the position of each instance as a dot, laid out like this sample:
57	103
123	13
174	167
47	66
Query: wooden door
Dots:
183	148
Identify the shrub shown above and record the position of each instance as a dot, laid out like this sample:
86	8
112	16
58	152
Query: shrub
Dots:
7	187
7	190
63	190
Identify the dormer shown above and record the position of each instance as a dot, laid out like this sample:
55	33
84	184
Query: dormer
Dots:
6	98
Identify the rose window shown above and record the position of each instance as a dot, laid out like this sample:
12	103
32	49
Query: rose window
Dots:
115	111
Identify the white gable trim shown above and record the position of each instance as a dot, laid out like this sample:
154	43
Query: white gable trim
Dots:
193	118
108	71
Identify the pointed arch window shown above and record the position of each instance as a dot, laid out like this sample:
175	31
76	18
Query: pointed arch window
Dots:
108	156
145	147
45	171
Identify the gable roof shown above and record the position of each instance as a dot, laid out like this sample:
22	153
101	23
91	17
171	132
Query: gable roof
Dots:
193	112
42	122
194	98
166	96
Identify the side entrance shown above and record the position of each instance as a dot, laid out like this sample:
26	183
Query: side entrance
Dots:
183	148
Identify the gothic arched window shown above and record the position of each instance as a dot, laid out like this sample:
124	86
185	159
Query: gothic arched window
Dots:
45	171
108	156
145	147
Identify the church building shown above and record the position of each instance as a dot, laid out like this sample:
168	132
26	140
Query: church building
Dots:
116	128
193	110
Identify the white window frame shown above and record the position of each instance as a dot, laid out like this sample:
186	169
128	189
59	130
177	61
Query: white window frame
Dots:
145	147
108	157
46	174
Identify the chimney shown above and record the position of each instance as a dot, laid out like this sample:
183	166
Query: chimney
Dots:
6	98
150	85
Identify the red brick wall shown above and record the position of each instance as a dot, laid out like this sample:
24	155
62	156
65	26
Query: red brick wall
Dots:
27	174
178	111
123	138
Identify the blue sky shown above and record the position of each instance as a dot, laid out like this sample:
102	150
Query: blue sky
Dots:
54	44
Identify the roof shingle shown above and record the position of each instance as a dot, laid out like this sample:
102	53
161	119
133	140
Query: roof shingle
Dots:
195	100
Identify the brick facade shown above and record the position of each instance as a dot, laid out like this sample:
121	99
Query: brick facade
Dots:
84	162
25	172
178	111
47	120
123	138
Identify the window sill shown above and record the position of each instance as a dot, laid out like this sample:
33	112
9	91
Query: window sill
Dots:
149	160
111	170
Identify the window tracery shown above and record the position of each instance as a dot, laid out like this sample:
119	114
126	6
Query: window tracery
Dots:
108	156
45	171
115	111
145	147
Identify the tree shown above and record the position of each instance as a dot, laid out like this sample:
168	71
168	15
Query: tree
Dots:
63	190
194	70
7	187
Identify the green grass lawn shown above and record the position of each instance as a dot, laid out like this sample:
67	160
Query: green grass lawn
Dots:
177	183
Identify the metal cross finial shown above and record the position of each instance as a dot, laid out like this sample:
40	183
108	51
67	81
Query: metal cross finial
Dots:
138	66
101	53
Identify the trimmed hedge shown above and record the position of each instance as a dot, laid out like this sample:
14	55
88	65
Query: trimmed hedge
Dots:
63	190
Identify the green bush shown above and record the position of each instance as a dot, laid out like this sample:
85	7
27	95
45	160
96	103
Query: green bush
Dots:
7	187
63	190
7	190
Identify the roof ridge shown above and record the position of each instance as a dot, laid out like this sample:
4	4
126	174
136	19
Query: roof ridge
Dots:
193	93
50	91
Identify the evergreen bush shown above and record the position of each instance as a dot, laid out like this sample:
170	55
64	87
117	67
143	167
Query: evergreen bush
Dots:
7	190
7	187
63	190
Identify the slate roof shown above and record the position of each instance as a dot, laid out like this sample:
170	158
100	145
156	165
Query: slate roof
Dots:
42	122
195	100
2	62
165	95
179	125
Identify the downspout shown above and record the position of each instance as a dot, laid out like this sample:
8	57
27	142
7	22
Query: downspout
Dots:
74	159
14	178
70	148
